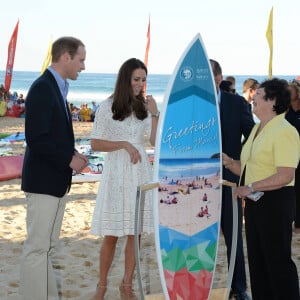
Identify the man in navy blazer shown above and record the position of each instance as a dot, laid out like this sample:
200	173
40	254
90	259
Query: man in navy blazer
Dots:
236	124
49	161
50	140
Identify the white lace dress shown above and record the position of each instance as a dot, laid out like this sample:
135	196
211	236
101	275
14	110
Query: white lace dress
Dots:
115	204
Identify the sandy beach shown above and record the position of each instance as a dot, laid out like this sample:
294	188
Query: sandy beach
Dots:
78	260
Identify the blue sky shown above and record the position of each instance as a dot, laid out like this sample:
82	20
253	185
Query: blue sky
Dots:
233	32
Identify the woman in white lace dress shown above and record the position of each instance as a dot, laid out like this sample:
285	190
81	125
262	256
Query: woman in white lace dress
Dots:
120	126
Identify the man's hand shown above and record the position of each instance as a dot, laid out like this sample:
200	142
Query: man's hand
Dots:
78	162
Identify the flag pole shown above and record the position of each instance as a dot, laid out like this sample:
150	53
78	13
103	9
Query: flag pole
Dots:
269	36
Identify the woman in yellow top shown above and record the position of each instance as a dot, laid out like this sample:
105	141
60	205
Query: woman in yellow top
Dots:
268	162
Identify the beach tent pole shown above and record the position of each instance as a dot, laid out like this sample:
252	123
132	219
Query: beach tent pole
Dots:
140	201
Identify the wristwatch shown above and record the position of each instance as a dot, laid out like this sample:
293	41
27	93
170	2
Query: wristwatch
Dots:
250	186
156	115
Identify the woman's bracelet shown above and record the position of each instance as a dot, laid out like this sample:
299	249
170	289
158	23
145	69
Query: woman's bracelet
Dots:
156	115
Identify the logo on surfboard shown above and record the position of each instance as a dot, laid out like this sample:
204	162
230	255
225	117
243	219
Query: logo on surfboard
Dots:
186	73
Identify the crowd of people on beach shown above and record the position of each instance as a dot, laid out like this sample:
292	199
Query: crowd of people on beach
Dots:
261	157
12	104
83	113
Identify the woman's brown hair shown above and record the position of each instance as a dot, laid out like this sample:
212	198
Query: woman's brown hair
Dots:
124	101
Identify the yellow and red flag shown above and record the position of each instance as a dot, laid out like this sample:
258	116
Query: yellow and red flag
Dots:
147	51
11	57
48	57
269	36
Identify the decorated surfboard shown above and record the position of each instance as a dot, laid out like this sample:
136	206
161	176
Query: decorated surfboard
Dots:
187	167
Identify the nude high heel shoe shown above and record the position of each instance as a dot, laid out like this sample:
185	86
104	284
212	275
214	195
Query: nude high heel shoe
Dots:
126	291
100	292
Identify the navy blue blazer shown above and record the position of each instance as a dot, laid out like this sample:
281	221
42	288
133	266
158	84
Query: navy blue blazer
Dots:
50	140
236	123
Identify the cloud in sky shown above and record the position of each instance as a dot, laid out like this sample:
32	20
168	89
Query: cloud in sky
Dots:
233	32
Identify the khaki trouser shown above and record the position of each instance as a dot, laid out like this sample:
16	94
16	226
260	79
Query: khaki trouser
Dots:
38	279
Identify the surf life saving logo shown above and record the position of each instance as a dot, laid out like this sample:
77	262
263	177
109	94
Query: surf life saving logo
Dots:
186	73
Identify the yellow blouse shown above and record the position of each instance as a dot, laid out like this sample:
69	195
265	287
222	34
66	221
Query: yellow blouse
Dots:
277	145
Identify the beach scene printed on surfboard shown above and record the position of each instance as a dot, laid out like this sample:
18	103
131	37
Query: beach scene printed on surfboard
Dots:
188	170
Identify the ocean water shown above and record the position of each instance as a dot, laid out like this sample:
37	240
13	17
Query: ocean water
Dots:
176	169
89	86
98	86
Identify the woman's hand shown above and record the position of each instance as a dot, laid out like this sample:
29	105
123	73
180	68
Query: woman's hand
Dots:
242	192
231	164
151	105
134	154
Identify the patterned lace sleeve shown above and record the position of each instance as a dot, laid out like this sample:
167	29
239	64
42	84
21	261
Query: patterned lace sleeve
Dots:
100	128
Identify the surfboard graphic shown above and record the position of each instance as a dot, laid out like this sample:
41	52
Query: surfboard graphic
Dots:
187	167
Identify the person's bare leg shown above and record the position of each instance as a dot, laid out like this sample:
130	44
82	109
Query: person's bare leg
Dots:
126	286
106	256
